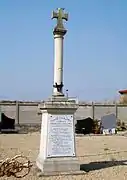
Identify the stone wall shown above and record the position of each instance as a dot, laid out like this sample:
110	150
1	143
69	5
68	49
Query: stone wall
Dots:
27	113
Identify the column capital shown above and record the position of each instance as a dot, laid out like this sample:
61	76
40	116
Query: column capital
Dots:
58	31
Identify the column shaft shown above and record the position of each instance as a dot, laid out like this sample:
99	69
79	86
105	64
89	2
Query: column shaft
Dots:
58	60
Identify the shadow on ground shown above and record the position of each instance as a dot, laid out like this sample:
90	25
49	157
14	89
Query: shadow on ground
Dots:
101	165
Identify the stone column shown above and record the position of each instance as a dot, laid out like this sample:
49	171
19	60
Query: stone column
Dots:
58	32
58	64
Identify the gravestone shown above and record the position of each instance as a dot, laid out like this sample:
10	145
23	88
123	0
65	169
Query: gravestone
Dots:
84	126
108	123
0	115
7	125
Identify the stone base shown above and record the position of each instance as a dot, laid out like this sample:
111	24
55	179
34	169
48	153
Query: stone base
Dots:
56	166
9	131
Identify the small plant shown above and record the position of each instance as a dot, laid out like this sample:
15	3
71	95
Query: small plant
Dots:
96	127
118	122
121	126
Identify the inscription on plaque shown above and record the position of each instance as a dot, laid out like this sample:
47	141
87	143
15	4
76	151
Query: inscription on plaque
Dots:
60	136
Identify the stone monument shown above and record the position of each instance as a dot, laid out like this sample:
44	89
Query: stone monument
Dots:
108	124
57	142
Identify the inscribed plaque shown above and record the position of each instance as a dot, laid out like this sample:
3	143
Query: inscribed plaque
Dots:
60	136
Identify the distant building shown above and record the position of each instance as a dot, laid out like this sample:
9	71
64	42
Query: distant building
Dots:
123	96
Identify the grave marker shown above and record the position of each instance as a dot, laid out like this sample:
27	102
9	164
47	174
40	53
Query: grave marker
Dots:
57	144
108	123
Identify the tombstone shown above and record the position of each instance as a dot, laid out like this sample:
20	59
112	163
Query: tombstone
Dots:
84	126
7	125
108	124
0	115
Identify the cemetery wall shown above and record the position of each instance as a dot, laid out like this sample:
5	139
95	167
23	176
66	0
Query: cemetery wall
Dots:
28	113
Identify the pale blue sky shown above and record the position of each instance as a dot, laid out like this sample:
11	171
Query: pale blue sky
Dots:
95	48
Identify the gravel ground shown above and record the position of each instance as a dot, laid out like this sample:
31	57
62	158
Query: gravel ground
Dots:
101	157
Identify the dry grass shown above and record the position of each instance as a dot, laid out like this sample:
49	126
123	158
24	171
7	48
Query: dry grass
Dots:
102	157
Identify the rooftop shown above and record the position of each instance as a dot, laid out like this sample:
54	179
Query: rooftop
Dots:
123	91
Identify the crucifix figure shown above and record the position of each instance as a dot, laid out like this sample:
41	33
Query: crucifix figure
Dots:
60	15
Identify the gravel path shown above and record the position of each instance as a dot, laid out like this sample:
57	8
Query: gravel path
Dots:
102	157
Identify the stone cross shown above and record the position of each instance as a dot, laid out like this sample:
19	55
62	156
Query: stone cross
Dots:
60	15
57	143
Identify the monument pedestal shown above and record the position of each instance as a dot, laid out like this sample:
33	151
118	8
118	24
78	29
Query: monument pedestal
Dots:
56	166
57	145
